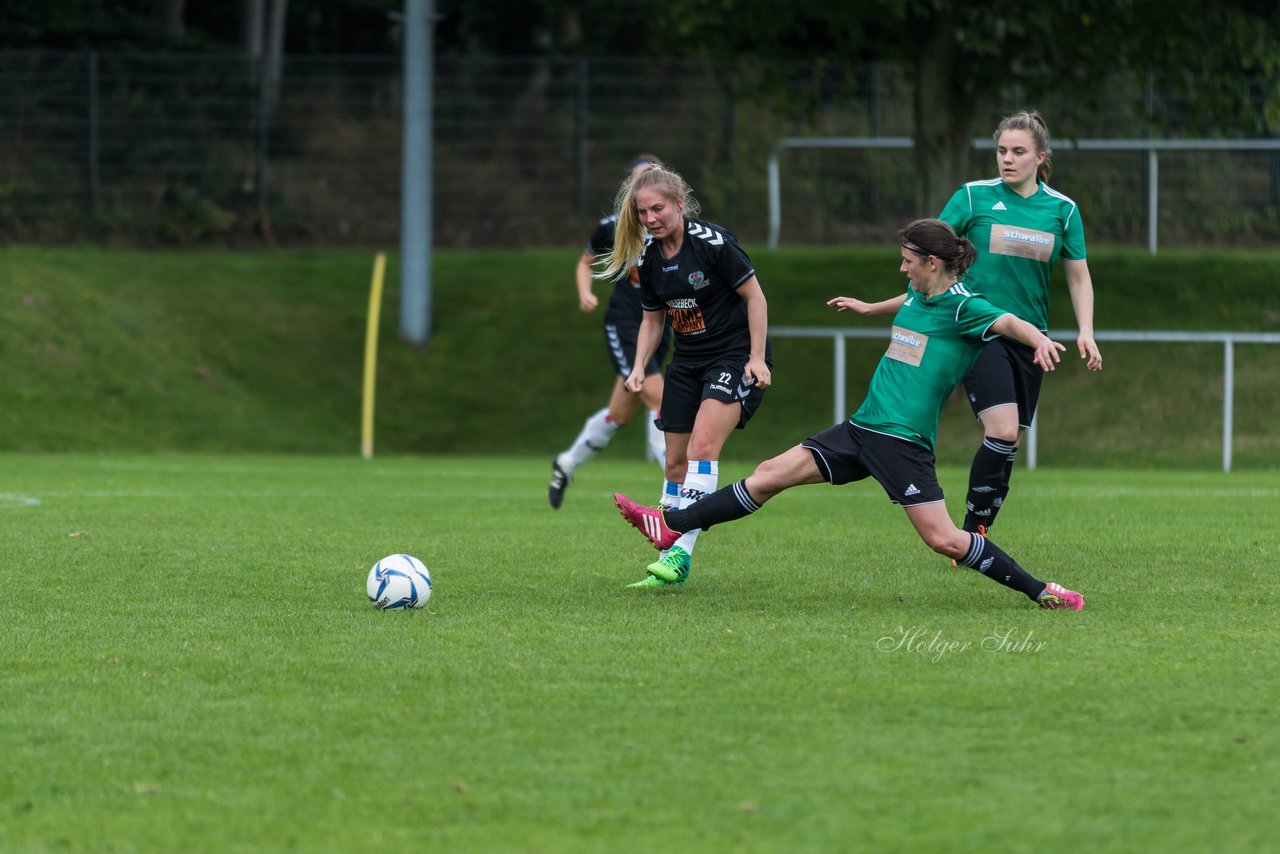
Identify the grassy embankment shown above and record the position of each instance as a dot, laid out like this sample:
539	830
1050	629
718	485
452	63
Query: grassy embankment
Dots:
261	352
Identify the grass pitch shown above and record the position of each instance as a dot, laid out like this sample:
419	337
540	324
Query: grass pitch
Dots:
190	663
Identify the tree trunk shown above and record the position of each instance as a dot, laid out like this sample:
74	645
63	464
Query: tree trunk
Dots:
254	24
275	52
942	105
174	19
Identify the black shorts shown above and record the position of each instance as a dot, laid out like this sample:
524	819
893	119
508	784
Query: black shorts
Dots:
687	385
846	452
1005	373
621	341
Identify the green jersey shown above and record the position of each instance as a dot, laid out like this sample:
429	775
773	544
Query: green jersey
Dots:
1018	242
932	345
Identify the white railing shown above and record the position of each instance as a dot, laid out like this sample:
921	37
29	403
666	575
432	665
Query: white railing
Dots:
1151	146
838	335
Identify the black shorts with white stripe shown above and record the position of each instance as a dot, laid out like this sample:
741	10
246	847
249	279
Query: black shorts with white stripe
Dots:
846	452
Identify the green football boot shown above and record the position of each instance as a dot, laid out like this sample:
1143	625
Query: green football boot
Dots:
672	567
653	582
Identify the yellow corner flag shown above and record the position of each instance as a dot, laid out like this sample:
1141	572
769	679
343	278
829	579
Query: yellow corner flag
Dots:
371	357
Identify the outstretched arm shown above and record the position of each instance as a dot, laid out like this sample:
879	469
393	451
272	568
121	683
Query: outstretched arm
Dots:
888	306
1047	350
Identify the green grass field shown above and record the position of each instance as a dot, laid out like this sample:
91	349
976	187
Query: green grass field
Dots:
190	664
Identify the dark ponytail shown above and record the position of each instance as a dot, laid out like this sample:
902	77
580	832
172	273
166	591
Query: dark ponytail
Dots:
935	237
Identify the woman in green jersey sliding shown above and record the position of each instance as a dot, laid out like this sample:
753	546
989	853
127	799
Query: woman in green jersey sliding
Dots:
937	333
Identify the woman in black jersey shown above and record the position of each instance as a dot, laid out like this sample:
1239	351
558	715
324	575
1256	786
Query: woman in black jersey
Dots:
694	273
621	325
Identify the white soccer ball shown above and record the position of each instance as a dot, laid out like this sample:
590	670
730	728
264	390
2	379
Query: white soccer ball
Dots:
399	581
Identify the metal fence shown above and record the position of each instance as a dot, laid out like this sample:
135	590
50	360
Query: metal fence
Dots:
193	149
1150	148
1228	340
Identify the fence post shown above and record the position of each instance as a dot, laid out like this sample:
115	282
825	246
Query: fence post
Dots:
260	139
1275	177
1153	165
1153	199
840	413
873	115
731	147
416	171
581	112
93	120
775	198
1228	399
1031	443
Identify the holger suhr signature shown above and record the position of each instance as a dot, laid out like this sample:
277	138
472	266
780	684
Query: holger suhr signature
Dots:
935	646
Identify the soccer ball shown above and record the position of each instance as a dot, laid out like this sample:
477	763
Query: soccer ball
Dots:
398	581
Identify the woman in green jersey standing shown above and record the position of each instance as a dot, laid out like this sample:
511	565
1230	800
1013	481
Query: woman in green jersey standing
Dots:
938	332
1021	227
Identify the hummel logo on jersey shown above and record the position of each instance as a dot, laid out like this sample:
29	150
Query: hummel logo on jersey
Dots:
999	206
710	235
909	301
911	490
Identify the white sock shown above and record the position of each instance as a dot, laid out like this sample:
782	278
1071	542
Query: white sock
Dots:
702	479
595	435
670	496
657	441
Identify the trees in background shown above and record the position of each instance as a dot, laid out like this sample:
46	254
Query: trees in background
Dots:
1221	60
307	26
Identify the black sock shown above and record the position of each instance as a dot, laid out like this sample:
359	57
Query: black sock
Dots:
724	505
989	559
986	478
1003	491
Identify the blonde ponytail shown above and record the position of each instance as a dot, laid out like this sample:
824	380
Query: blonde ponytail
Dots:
628	240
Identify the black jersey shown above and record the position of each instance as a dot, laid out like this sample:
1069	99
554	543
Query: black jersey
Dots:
698	288
624	303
